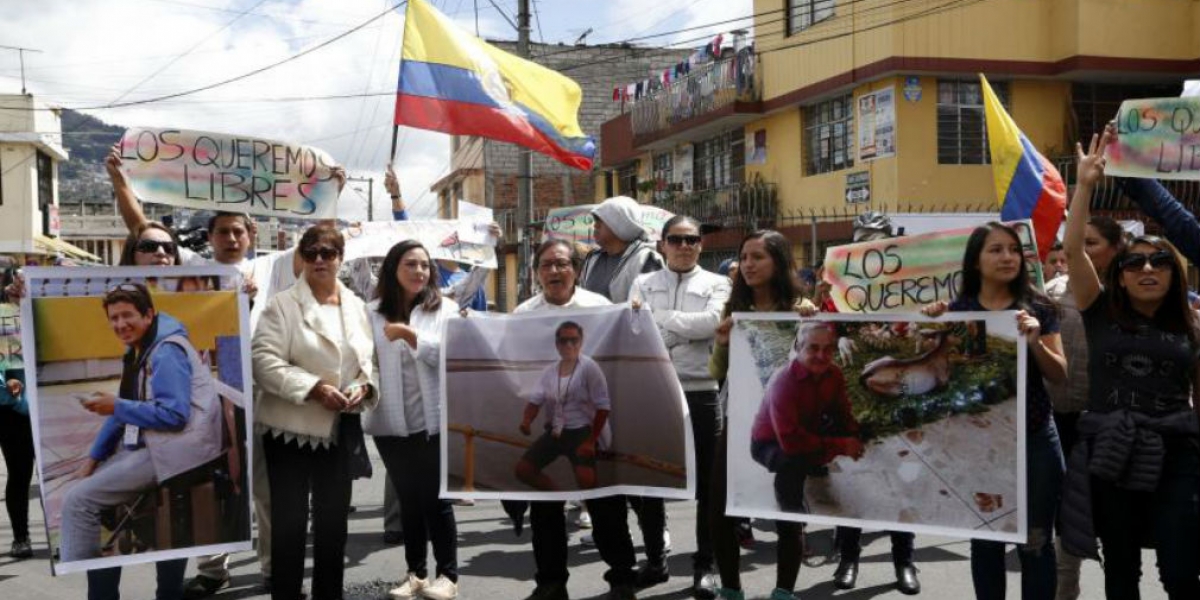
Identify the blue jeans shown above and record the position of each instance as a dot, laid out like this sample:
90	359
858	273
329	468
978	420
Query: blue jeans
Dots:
105	584
1039	573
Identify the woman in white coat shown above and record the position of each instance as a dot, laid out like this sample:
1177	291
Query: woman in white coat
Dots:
314	369
407	319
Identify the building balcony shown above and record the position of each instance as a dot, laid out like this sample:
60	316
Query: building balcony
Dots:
747	206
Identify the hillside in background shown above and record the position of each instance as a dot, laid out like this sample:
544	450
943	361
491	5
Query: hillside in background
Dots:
82	178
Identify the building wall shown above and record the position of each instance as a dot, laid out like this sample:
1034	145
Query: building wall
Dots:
20	216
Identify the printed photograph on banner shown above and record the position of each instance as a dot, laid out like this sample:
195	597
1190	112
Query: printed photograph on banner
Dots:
566	404
440	237
902	274
893	422
138	380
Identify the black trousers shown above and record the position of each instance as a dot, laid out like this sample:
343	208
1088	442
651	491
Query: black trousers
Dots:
651	512
16	441
850	545
415	468
724	531
610	530
549	528
295	472
1169	517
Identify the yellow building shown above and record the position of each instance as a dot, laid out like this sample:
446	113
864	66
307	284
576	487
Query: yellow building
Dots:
876	103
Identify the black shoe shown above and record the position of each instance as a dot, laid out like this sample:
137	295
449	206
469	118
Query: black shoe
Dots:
203	587
704	585
21	549
621	592
651	574
550	591
906	579
846	575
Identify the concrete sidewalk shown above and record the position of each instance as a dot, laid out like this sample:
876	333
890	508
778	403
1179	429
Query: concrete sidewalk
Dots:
495	564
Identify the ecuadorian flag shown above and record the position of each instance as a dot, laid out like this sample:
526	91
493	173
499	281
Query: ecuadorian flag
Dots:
454	82
1027	185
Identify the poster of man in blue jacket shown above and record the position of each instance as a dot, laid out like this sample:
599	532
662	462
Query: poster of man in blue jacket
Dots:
138	404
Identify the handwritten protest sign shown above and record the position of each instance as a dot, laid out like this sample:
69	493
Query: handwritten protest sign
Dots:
440	237
10	338
905	273
213	171
575	223
1157	138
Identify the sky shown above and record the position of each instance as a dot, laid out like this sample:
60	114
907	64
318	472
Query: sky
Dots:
93	53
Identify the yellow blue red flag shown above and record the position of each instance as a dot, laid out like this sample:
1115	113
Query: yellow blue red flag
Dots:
1027	185
454	82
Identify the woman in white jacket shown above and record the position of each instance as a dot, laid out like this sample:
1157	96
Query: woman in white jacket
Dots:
407	320
686	302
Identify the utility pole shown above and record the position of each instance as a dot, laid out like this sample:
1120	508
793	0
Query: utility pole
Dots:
370	195
21	56
524	175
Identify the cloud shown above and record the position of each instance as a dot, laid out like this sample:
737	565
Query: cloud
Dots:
635	18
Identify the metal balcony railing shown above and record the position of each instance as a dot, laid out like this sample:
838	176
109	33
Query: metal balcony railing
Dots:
744	205
707	88
1108	195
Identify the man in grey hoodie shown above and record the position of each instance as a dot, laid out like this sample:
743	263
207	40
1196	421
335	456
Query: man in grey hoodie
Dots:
625	250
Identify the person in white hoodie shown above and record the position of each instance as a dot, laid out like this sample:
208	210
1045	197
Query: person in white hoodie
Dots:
407	317
686	302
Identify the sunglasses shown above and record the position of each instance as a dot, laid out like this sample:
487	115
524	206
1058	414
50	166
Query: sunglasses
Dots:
568	341
682	240
152	246
1136	261
324	253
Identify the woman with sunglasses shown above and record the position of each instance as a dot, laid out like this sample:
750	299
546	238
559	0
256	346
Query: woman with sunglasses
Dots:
686	302
556	263
996	277
407	319
1136	471
764	284
313	357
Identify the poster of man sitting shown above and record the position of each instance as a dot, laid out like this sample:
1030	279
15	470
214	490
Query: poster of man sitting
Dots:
140	400
896	422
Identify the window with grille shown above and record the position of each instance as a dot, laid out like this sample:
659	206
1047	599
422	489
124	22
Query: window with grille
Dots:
961	125
719	161
829	135
664	174
803	14
627	180
1095	104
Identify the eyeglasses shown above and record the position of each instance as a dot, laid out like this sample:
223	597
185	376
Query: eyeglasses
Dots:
682	240
152	246
561	265
568	341
324	252
1136	261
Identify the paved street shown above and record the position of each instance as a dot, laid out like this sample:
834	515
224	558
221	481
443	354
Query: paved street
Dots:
496	564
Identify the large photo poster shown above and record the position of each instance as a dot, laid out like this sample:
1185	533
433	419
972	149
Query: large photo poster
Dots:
563	404
139	387
902	423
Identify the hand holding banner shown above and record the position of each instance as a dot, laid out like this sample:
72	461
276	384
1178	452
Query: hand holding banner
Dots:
212	171
1158	138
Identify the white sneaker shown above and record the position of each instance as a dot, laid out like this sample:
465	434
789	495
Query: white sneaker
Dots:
441	589
411	588
666	540
587	539
584	521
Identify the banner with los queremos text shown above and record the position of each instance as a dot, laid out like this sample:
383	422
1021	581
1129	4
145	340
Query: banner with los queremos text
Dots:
171	482
575	223
903	274
917	423
222	172
1157	138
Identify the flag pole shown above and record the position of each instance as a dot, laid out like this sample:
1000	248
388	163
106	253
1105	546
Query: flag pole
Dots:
395	134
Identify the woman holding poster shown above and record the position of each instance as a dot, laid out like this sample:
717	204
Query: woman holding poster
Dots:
995	277
764	284
407	320
1143	340
314	368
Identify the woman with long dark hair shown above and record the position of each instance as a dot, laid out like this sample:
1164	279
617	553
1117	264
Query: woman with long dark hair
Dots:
764	284
1136	470
407	319
996	277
